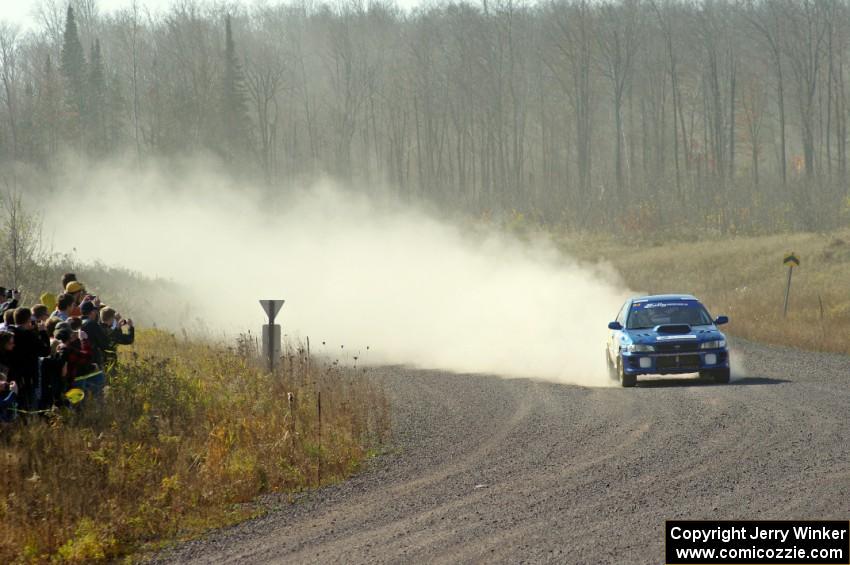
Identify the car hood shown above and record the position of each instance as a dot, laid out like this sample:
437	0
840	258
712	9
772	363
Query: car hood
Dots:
675	333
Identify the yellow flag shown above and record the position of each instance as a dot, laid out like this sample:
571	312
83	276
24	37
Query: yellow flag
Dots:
49	300
75	395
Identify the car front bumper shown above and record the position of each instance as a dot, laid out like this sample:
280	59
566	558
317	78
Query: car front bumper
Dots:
675	363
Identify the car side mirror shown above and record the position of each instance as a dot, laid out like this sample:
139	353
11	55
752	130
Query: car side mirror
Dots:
615	326
721	320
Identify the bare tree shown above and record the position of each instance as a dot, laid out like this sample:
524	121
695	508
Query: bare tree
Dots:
753	102
619	39
9	72
804	46
571	63
555	108
765	17
23	252
264	74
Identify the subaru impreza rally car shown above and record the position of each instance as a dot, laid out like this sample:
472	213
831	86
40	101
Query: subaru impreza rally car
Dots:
666	334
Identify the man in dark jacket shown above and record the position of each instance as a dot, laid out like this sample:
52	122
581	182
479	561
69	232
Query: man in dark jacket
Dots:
113	323
31	343
95	333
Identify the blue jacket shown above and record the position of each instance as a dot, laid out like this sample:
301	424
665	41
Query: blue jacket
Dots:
8	406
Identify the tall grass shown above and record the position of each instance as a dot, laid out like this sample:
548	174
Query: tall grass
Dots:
185	432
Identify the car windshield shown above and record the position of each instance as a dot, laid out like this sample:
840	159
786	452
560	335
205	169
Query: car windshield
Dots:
645	315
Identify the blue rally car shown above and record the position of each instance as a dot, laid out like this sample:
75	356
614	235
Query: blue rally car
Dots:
666	334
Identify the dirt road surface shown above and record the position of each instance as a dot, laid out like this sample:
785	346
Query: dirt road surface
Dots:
485	469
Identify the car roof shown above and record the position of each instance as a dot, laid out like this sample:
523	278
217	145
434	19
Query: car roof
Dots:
663	297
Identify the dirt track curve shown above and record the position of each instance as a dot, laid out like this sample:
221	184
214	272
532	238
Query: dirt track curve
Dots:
499	470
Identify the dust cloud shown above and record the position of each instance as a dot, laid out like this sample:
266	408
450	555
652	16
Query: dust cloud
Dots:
738	365
355	272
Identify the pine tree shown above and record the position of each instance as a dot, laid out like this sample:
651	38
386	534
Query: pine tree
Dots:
27	124
235	113
74	73
48	110
96	100
116	105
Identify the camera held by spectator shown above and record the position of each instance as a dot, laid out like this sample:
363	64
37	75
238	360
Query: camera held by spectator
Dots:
8	386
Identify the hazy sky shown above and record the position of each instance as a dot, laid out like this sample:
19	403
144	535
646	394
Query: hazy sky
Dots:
22	11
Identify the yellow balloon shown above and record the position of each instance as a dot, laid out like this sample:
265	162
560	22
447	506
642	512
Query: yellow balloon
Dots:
75	395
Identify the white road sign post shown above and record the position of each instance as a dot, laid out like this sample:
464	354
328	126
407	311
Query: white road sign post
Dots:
271	331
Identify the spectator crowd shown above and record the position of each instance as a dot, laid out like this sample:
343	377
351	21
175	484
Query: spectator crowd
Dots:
57	352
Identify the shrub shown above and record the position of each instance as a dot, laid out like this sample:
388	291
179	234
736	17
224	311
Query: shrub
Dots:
185	432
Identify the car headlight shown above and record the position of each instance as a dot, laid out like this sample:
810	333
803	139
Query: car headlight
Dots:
716	344
640	348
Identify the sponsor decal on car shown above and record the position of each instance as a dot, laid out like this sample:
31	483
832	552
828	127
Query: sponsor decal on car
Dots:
672	337
667	304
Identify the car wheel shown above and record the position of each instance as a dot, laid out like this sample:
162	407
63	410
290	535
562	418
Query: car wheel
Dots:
721	376
626	380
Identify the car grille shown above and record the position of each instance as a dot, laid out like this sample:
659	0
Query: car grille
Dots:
677	362
676	347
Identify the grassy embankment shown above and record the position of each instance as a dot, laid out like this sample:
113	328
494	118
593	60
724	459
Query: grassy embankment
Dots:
186	434
744	278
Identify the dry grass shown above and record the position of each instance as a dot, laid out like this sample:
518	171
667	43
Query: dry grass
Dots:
744	278
186	432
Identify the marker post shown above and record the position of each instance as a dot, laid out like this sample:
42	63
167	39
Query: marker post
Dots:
271	331
791	260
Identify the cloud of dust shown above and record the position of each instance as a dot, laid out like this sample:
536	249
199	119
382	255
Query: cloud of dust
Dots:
355	272
737	362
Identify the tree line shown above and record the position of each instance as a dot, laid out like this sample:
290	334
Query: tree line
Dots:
724	115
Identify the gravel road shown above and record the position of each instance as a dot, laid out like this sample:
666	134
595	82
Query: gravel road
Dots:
486	469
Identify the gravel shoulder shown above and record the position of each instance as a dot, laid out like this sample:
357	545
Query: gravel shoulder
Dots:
514	470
